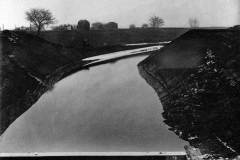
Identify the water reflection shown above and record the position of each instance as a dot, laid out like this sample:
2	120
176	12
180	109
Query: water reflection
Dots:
201	104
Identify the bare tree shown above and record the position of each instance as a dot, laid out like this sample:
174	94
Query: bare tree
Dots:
40	18
193	22
156	22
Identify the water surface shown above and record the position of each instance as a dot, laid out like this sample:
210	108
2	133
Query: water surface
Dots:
107	108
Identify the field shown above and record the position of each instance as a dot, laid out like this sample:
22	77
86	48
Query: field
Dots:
99	38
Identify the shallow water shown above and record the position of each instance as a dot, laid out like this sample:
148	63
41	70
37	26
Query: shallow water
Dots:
107	108
119	54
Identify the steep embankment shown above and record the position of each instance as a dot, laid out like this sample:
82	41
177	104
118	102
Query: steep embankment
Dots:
197	78
26	61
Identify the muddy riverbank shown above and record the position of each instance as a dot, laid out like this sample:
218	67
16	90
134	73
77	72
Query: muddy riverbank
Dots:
197	80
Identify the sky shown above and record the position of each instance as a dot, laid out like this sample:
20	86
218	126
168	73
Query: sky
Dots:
125	12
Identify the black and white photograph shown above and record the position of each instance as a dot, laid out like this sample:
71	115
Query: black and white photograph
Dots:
120	79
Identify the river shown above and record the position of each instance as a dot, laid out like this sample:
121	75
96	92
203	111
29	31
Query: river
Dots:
108	108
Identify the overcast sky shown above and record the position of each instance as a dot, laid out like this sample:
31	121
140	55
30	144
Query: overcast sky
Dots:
175	12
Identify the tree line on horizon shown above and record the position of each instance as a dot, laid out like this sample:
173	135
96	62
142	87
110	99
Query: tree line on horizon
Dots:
41	18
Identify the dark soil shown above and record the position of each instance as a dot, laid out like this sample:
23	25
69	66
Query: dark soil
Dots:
197	78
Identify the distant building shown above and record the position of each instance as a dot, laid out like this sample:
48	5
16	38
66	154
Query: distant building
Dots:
132	26
237	27
97	26
69	27
110	26
145	25
83	25
23	28
63	27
